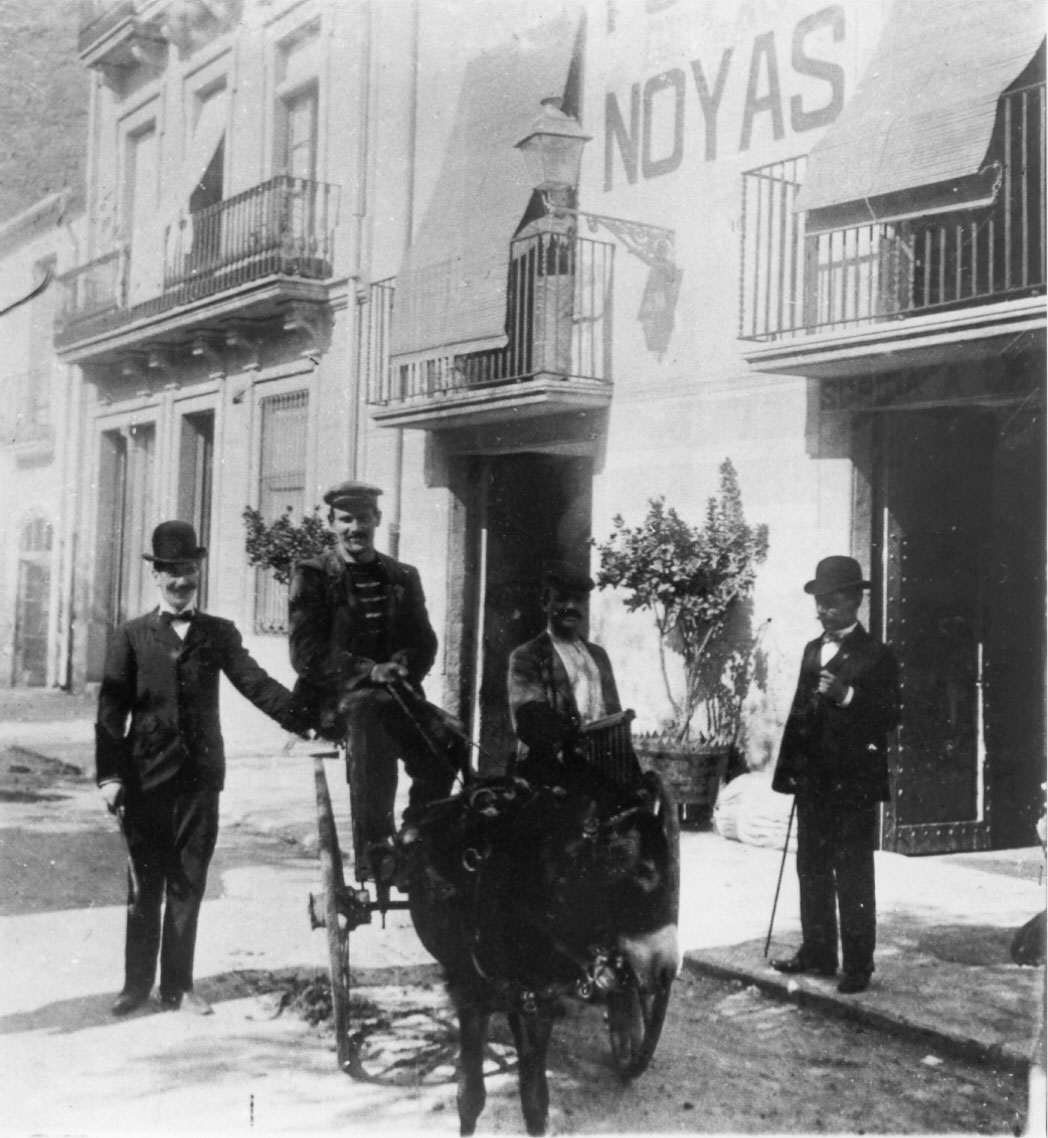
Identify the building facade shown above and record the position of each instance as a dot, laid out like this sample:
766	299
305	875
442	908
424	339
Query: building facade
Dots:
849	304
37	469
314	251
213	315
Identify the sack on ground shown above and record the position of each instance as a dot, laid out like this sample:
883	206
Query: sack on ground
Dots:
749	811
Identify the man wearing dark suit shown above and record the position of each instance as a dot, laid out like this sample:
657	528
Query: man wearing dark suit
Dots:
834	759
161	764
558	682
358	623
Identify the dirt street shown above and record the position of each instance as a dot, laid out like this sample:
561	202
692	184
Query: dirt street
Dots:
731	1060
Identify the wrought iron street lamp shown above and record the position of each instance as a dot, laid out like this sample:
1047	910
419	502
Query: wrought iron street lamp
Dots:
552	150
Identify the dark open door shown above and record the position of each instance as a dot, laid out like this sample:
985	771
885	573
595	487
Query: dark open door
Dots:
961	542
534	507
934	487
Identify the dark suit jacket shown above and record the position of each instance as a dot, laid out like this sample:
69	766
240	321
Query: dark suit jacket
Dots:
541	702
326	621
158	703
840	754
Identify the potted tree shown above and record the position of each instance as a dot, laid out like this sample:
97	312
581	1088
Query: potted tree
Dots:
698	584
276	546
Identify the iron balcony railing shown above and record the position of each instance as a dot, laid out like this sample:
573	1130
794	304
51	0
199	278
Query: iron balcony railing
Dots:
795	279
285	226
93	290
282	227
558	322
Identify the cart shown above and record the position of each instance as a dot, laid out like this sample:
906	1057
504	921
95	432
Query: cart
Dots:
634	1018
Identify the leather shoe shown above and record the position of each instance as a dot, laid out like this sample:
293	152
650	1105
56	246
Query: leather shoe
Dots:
128	1000
852	982
794	965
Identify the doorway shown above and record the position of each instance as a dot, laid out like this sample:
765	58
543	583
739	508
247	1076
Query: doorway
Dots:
196	471
32	604
528	509
123	587
961	537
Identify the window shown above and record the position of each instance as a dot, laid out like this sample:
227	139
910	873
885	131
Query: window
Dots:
298	65
300	134
140	207
31	608
196	467
281	485
126	517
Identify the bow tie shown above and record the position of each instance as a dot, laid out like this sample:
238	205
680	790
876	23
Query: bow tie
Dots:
832	637
172	617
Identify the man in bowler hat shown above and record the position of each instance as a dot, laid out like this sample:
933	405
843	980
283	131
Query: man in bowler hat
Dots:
358	624
559	682
161	765
834	759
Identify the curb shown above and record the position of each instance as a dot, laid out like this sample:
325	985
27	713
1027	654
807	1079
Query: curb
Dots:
992	1054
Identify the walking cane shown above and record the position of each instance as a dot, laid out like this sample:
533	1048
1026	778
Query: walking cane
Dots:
778	884
136	888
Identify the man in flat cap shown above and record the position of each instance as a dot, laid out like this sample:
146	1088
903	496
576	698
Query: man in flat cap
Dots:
559	682
358	622
161	764
834	759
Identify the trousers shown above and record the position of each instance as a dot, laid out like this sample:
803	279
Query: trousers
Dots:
835	847
171	837
378	733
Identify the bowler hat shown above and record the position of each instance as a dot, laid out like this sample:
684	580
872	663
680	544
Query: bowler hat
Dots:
352	494
835	573
175	541
565	575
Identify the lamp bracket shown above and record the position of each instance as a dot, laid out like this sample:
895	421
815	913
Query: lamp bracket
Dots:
653	244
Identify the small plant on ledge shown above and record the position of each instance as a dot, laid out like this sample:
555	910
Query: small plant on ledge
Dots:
277	546
698	583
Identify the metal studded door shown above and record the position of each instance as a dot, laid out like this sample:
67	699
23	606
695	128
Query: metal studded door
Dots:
934	498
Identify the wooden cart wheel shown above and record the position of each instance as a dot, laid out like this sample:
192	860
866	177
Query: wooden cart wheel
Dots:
333	881
635	1018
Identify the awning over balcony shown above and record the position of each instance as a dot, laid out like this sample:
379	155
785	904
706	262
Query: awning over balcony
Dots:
451	289
208	132
924	112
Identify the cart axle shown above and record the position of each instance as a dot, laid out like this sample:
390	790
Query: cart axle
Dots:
353	904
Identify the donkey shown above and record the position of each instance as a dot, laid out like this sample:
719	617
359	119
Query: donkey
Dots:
526	894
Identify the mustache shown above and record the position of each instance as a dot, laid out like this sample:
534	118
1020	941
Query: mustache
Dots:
568	611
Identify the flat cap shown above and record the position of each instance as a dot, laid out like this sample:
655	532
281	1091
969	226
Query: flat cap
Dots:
352	494
567	575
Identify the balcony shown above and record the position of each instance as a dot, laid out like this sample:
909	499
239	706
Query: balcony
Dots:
821	299
242	258
557	354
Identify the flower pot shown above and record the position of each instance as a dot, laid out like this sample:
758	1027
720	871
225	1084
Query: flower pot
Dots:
693	772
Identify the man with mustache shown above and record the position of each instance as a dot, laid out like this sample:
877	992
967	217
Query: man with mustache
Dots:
834	758
358	623
161	765
559	682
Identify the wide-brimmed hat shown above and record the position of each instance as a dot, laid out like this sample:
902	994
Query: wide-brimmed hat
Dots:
175	541
835	573
348	494
568	576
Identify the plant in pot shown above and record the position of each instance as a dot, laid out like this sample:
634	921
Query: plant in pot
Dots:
698	584
276	546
